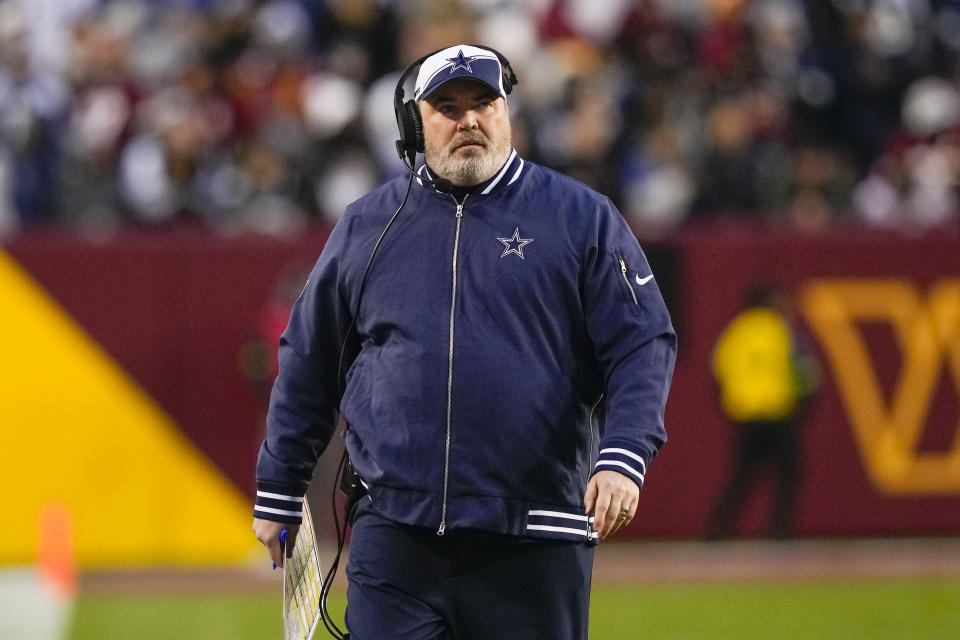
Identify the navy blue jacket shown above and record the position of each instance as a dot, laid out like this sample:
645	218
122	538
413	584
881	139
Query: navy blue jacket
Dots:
510	346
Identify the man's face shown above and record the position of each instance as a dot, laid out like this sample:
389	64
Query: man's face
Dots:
466	129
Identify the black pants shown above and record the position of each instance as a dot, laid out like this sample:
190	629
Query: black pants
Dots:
408	583
761	446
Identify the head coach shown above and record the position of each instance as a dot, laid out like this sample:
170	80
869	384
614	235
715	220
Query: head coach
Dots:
491	334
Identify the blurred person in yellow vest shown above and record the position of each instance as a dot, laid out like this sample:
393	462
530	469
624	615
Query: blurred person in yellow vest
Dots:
764	377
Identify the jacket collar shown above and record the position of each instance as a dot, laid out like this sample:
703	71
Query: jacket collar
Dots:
507	175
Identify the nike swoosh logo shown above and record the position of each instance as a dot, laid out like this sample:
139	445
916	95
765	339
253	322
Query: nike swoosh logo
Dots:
643	281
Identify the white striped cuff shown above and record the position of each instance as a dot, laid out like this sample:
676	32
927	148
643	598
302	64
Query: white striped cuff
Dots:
622	460
278	506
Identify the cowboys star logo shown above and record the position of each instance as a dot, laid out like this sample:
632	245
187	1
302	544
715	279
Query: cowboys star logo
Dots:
461	62
514	244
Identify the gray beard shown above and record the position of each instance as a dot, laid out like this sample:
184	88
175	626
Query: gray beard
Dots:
472	169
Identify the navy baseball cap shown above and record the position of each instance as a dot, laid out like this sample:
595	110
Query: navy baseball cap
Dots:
459	61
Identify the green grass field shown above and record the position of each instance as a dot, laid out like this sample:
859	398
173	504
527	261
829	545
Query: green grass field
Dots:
898	609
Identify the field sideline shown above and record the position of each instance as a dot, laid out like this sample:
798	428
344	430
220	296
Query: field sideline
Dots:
872	590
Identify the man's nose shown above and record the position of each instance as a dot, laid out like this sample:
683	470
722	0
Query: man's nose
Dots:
468	120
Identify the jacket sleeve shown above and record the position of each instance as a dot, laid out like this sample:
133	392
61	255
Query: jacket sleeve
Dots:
634	344
304	400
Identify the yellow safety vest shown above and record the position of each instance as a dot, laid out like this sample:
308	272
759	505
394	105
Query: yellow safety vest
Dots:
753	365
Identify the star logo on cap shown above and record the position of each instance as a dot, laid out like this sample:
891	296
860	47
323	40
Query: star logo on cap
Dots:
514	244
461	62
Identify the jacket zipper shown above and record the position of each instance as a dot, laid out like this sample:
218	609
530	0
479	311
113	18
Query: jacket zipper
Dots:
453	303
623	271
592	460
593	410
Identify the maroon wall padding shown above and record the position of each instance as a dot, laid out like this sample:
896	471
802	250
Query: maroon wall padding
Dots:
178	311
717	268
183	312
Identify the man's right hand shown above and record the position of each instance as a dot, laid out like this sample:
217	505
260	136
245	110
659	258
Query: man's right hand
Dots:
268	532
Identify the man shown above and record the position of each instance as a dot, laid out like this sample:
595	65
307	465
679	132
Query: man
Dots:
765	379
506	397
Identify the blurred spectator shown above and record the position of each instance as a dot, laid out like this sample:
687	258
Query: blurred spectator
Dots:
728	170
913	185
821	180
261	115
658	186
33	106
765	378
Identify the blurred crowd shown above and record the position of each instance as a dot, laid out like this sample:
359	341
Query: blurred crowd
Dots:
268	115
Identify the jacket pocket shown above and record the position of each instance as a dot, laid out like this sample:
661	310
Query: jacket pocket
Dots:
622	267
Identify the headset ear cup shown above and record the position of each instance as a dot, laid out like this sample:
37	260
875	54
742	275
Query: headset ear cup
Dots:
405	127
505	78
416	124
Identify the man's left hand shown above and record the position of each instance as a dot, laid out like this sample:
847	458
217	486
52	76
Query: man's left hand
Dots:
268	532
612	498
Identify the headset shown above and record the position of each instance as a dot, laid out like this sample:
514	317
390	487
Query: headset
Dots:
410	143
409	121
